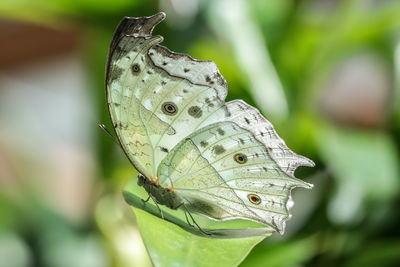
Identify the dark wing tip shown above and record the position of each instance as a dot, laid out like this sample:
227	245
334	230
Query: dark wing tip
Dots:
138	26
142	26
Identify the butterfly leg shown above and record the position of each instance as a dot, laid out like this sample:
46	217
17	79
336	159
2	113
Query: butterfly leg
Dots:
159	209
145	201
184	211
187	219
201	230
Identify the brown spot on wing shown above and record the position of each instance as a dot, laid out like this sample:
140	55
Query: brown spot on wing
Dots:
218	149
203	143
220	131
115	73
195	111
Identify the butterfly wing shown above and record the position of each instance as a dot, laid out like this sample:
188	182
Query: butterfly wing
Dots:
156	97
125	70
249	118
170	116
224	172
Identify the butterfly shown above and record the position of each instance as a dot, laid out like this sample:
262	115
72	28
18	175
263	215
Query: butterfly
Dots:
193	150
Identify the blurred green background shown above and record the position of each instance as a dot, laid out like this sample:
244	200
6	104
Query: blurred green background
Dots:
326	73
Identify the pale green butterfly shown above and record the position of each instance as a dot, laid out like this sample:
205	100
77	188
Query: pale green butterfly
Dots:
193	150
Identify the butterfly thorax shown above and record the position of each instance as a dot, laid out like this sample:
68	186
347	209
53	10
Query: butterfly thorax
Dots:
162	195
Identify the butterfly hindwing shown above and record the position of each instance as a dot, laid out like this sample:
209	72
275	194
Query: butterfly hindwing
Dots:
221	167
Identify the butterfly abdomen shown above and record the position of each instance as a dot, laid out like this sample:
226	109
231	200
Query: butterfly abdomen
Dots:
163	195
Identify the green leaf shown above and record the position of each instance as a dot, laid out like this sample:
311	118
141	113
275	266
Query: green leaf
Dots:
172	242
289	253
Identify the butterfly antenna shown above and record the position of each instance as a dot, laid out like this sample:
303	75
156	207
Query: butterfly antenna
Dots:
201	230
104	128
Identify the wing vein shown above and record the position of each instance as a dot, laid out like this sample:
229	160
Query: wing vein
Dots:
223	157
209	146
180	112
233	188
243	204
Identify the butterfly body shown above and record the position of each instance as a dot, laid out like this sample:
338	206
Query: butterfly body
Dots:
162	195
192	149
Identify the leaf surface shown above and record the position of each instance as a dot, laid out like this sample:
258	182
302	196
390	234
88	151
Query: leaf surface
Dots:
172	242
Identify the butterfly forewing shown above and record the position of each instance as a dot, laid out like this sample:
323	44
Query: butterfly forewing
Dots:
132	121
157	98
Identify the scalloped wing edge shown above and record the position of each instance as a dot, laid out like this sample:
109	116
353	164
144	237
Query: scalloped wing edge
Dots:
251	119
287	160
